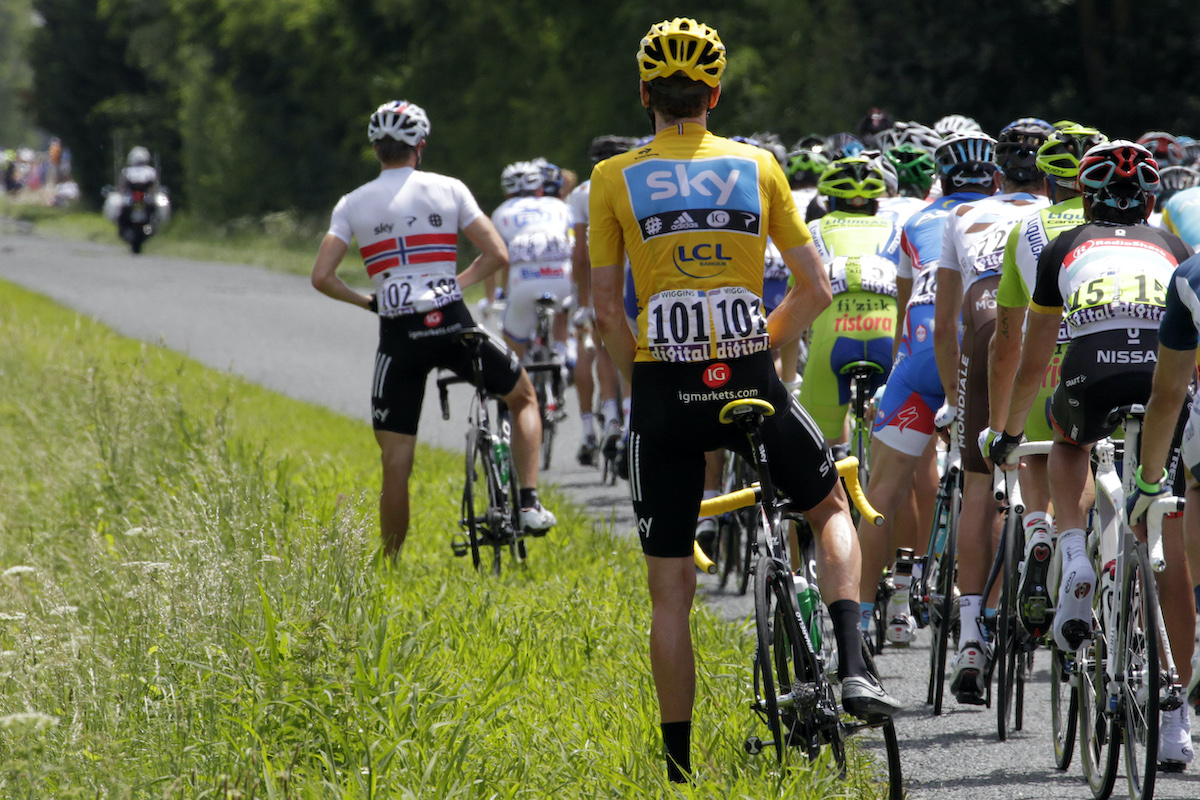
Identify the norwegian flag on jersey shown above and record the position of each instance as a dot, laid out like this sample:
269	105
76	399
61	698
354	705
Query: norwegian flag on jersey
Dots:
420	248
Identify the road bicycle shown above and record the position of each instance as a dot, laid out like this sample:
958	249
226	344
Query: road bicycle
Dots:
1013	645
1126	670
546	369
934	597
793	692
490	511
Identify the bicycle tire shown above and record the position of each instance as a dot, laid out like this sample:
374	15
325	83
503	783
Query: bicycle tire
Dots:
1063	721
947	604
765	698
1008	648
881	728
476	493
1139	635
1098	733
730	556
877	626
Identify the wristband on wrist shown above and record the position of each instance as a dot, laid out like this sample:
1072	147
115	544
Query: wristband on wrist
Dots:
1149	488
373	304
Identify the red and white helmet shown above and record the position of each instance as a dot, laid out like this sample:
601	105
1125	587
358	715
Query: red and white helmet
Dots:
1120	174
400	120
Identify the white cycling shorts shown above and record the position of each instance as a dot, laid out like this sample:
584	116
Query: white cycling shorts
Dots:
527	283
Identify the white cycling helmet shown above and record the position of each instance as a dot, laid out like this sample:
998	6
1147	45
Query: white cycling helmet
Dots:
891	177
400	120
138	157
521	177
952	124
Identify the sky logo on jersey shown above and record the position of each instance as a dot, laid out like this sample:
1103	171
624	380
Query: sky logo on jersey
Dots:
681	196
420	248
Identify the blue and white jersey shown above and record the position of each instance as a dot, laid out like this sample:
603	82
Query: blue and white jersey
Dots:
537	230
1181	216
1180	326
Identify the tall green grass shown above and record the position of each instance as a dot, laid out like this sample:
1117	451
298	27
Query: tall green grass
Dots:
191	606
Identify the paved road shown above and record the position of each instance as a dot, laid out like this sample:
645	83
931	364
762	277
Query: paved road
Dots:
275	330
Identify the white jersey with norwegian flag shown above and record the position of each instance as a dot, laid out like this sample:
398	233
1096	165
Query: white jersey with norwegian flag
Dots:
406	223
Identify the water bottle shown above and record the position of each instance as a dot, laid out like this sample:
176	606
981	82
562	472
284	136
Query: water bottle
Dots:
903	574
807	600
503	460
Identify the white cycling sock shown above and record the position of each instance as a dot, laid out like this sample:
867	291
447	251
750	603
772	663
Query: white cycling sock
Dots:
589	424
609	409
626	405
1077	587
1038	524
969	606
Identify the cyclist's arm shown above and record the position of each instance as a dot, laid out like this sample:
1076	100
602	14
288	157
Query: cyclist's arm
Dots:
1168	393
493	253
1004	355
1041	335
947	306
608	288
324	274
804	302
581	267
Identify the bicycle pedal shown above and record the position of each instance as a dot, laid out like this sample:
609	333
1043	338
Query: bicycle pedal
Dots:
459	548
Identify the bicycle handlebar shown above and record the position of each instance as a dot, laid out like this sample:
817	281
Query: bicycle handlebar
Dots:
703	561
732	501
848	469
1158	510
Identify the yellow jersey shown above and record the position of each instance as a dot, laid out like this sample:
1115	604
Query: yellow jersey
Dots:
693	211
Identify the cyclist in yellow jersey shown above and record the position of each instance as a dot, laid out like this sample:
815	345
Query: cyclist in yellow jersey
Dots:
693	212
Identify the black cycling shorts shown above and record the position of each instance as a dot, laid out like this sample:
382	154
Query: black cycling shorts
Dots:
674	422
413	345
1102	371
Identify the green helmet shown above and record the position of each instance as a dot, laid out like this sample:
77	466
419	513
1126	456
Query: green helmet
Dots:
806	161
915	168
854	179
1059	156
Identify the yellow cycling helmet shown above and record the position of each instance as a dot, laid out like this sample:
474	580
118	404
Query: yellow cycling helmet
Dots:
682	45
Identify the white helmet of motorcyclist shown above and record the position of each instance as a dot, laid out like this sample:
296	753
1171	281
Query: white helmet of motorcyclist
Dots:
138	156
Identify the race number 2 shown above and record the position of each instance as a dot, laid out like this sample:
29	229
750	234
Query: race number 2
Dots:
409	293
691	325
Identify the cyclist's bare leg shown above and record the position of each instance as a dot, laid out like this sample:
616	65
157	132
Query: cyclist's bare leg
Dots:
889	490
672	583
517	347
978	533
607	375
1035	483
1071	491
526	431
585	383
839	559
1176	597
925	483
397	451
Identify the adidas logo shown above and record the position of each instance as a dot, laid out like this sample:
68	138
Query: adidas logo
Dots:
683	221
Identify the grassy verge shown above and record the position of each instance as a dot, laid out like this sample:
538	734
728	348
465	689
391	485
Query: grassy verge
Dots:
191	608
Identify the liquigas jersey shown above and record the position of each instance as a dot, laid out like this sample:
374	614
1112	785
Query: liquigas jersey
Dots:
693	212
860	251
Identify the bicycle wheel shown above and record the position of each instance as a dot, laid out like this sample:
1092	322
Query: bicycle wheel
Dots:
476	493
1008	641
729	535
1064	707
1138	634
877	627
875	735
944	612
1098	731
511	514
798	709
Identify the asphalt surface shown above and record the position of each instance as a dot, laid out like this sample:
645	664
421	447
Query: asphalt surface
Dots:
277	331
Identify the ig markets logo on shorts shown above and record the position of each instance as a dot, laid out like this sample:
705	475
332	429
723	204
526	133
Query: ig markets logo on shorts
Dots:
716	375
433	319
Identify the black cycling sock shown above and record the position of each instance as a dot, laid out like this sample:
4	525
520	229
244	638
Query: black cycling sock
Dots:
529	498
677	741
845	615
